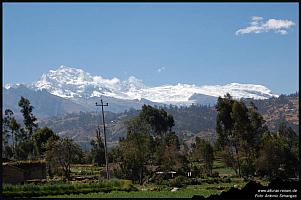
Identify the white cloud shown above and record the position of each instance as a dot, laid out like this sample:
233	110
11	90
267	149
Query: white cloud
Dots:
258	25
257	18
159	70
282	32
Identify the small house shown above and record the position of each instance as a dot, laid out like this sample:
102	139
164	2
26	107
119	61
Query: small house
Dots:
12	174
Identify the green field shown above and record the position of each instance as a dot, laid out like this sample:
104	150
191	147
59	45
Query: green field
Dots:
124	188
85	170
183	193
149	191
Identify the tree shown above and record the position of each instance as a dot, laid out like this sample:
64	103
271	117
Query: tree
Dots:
158	123
98	151
29	118
239	130
228	140
251	141
289	135
276	160
26	150
202	151
10	128
159	120
171	159
150	141
135	150
62	153
41	137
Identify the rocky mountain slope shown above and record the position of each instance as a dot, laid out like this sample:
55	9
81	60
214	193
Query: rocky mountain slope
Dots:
191	121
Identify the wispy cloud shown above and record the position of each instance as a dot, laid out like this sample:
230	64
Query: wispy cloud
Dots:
258	25
159	70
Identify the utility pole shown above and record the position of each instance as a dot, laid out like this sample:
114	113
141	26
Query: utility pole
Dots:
104	132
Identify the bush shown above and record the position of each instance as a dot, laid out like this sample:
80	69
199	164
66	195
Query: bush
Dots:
127	185
195	181
247	170
179	181
226	180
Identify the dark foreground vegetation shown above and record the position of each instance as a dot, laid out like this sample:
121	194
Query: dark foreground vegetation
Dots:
151	157
252	190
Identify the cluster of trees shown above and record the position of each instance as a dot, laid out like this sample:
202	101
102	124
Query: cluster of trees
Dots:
29	142
244	143
201	117
23	146
249	147
150	142
203	152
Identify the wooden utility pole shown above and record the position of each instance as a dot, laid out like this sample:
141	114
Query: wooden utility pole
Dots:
104	132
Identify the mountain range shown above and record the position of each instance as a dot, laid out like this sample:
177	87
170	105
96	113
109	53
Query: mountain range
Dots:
68	89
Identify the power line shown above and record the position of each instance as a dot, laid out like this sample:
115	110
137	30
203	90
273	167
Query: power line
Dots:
104	132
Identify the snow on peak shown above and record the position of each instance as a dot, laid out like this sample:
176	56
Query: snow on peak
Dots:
71	82
133	84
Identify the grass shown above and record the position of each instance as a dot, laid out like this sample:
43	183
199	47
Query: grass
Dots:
219	166
140	194
34	190
156	191
123	188
185	192
85	170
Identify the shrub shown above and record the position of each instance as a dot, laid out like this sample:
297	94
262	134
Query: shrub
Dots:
195	181
226	179
179	181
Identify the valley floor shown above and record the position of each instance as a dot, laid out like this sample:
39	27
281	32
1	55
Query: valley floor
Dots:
116	188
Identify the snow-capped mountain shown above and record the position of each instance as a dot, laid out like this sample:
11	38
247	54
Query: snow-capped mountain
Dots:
67	90
68	82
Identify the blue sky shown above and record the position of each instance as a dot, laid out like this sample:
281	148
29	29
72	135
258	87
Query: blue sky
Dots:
163	43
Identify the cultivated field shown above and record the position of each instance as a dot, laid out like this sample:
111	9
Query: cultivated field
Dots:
115	188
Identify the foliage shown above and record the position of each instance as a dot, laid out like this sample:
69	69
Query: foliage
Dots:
276	158
159	120
149	141
61	153
172	159
98	150
289	136
10	128
239	130
29	118
203	152
194	118
26	150
41	137
179	181
22	145
135	151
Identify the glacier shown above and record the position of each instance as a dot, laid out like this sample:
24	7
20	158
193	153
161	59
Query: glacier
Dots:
73	83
